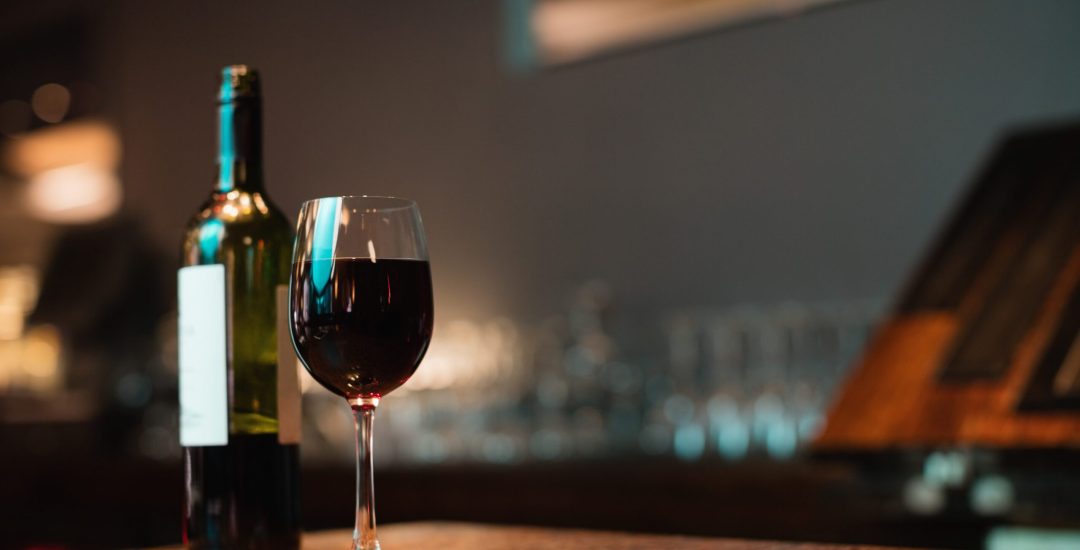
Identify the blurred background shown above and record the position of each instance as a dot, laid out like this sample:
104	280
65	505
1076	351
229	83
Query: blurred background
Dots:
658	246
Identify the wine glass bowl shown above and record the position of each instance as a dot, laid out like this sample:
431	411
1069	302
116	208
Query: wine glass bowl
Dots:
361	311
363	341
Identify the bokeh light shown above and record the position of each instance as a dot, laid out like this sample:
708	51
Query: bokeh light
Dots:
51	102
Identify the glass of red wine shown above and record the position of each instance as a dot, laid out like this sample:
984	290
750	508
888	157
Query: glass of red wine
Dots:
360	312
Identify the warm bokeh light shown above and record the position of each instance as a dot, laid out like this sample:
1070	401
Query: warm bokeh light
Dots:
70	170
569	31
92	142
41	357
79	193
18	293
30	356
51	102
465	354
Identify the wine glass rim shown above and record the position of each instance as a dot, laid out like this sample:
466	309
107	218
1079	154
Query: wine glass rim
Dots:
403	203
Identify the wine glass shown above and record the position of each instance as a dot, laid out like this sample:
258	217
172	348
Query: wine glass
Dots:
360	312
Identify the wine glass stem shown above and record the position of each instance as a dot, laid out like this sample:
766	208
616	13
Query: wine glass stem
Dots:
364	537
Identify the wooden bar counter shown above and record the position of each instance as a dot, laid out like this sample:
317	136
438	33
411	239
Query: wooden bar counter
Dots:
470	536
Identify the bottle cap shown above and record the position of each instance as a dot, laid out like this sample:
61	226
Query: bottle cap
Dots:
238	82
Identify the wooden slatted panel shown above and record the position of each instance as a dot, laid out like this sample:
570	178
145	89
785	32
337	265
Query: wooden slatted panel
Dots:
1045	235
967	243
977	333
1055	384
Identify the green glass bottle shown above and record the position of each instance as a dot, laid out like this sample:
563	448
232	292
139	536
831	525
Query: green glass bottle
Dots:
239	398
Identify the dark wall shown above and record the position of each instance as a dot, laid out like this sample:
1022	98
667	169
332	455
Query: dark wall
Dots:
808	158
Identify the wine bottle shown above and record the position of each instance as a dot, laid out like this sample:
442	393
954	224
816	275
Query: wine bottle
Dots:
239	394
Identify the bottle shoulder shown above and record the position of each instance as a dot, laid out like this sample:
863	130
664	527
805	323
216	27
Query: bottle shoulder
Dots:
237	208
229	220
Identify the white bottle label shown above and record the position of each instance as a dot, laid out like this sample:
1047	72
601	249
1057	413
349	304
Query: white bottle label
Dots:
203	366
288	381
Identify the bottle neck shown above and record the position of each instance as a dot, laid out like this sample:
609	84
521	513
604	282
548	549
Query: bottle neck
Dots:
240	146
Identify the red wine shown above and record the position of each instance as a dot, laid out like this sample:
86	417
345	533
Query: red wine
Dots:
247	496
361	326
